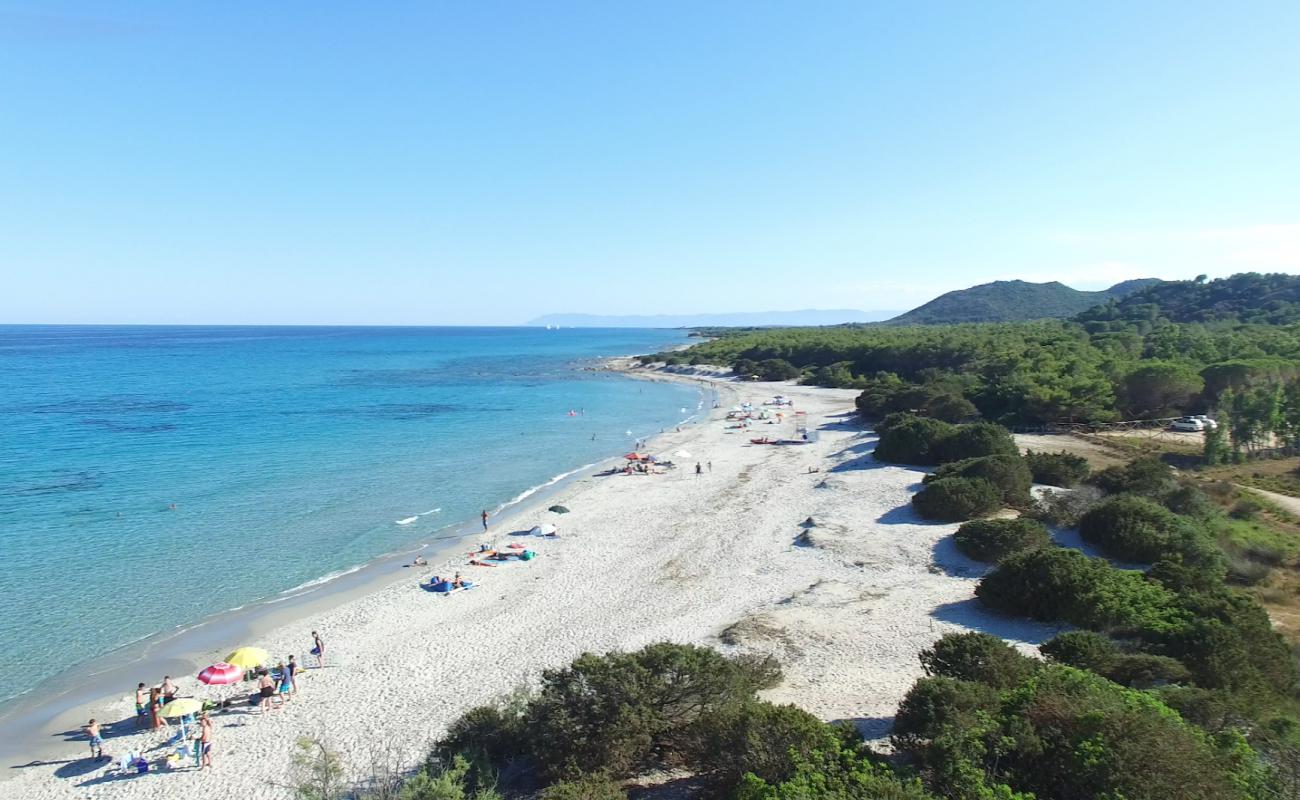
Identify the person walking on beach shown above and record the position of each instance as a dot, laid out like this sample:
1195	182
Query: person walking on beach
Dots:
293	675
96	739
318	649
285	683
699	470
710	466
205	740
484	516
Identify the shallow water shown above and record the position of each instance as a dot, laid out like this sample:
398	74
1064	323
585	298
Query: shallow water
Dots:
290	455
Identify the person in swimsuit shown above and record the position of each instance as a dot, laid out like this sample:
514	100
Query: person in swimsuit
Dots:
205	740
458	582
168	689
265	690
285	684
484	515
141	705
292	666
96	739
318	649
155	709
419	562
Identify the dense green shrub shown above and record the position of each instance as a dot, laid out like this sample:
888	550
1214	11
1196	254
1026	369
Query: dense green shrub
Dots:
974	440
492	732
936	703
845	773
776	369
978	657
1008	473
611	713
1081	736
1062	469
754	737
911	440
1054	583
454	780
1082	650
1146	670
995	539
587	787
950	408
1147	476
957	499
1130	528
1189	501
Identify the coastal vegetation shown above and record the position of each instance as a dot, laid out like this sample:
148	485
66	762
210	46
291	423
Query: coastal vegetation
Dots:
1169	348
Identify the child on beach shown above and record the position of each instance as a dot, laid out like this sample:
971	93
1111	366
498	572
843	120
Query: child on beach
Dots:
168	689
96	739
141	705
205	740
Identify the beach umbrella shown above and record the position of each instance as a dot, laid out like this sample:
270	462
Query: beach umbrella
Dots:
182	708
248	657
558	509
682	454
633	456
545	529
221	674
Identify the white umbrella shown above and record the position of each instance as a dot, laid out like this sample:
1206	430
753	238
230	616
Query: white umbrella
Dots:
545	529
682	454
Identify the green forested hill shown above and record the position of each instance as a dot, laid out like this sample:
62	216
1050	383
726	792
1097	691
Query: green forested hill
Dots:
1183	347
1245	298
1008	301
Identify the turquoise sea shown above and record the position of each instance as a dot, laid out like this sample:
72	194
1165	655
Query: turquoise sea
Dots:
290	454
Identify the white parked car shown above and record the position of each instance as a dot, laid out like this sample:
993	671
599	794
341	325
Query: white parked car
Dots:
1188	424
1209	423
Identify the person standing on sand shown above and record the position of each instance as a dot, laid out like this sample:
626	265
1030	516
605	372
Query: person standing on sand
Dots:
155	709
265	690
205	740
318	649
141	705
96	739
293	675
710	466
168	689
484	515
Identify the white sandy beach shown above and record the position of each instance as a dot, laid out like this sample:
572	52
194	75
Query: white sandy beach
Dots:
710	560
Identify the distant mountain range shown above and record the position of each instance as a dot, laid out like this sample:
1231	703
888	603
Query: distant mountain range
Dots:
1007	301
745	319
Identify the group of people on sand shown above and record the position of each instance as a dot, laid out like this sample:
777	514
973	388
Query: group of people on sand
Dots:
275	688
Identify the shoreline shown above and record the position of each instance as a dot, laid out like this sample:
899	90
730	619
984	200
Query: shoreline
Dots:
724	559
31	722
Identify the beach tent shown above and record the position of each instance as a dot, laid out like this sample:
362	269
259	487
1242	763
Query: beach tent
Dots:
545	529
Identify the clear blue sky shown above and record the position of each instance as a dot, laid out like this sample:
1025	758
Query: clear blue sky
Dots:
484	162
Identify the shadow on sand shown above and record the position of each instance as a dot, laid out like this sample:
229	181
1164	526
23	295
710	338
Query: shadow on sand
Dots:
869	727
952	563
972	614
